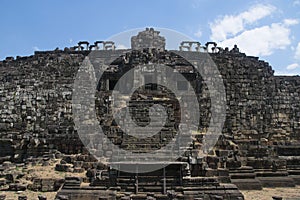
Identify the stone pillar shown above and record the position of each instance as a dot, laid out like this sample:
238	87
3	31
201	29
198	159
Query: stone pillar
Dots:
137	180
136	183
84	43
96	44
165	181
109	45
92	47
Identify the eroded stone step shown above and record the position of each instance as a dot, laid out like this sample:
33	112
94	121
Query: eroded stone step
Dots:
276	181
271	174
242	175
247	184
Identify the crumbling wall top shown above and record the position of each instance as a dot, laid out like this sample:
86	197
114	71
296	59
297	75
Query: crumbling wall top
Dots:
148	39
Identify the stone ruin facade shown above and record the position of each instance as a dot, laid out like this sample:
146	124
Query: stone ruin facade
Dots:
259	145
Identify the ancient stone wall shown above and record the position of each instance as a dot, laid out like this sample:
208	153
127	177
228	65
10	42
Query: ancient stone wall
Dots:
36	113
285	111
36	91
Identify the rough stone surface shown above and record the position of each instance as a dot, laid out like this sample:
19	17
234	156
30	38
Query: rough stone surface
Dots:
259	142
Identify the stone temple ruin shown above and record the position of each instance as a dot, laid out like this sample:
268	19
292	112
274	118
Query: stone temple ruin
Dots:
259	145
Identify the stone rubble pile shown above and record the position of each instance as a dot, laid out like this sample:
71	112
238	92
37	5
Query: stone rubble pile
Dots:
259	145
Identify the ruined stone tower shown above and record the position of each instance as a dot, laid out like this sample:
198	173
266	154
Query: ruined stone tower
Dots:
258	146
148	39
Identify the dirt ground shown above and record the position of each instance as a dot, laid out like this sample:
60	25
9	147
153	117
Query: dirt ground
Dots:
30	195
49	172
265	194
268	193
40	172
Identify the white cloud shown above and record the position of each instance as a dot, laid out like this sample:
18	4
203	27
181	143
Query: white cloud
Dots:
296	3
290	22
198	34
292	66
261	41
283	73
257	12
230	25
297	53
36	48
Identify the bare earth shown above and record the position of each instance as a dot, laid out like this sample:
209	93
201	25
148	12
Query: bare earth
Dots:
265	194
268	193
41	172
49	172
30	195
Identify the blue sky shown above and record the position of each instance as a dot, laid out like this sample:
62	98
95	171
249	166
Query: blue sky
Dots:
268	29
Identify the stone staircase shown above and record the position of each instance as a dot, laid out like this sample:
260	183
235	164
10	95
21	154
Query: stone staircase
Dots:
293	168
245	178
